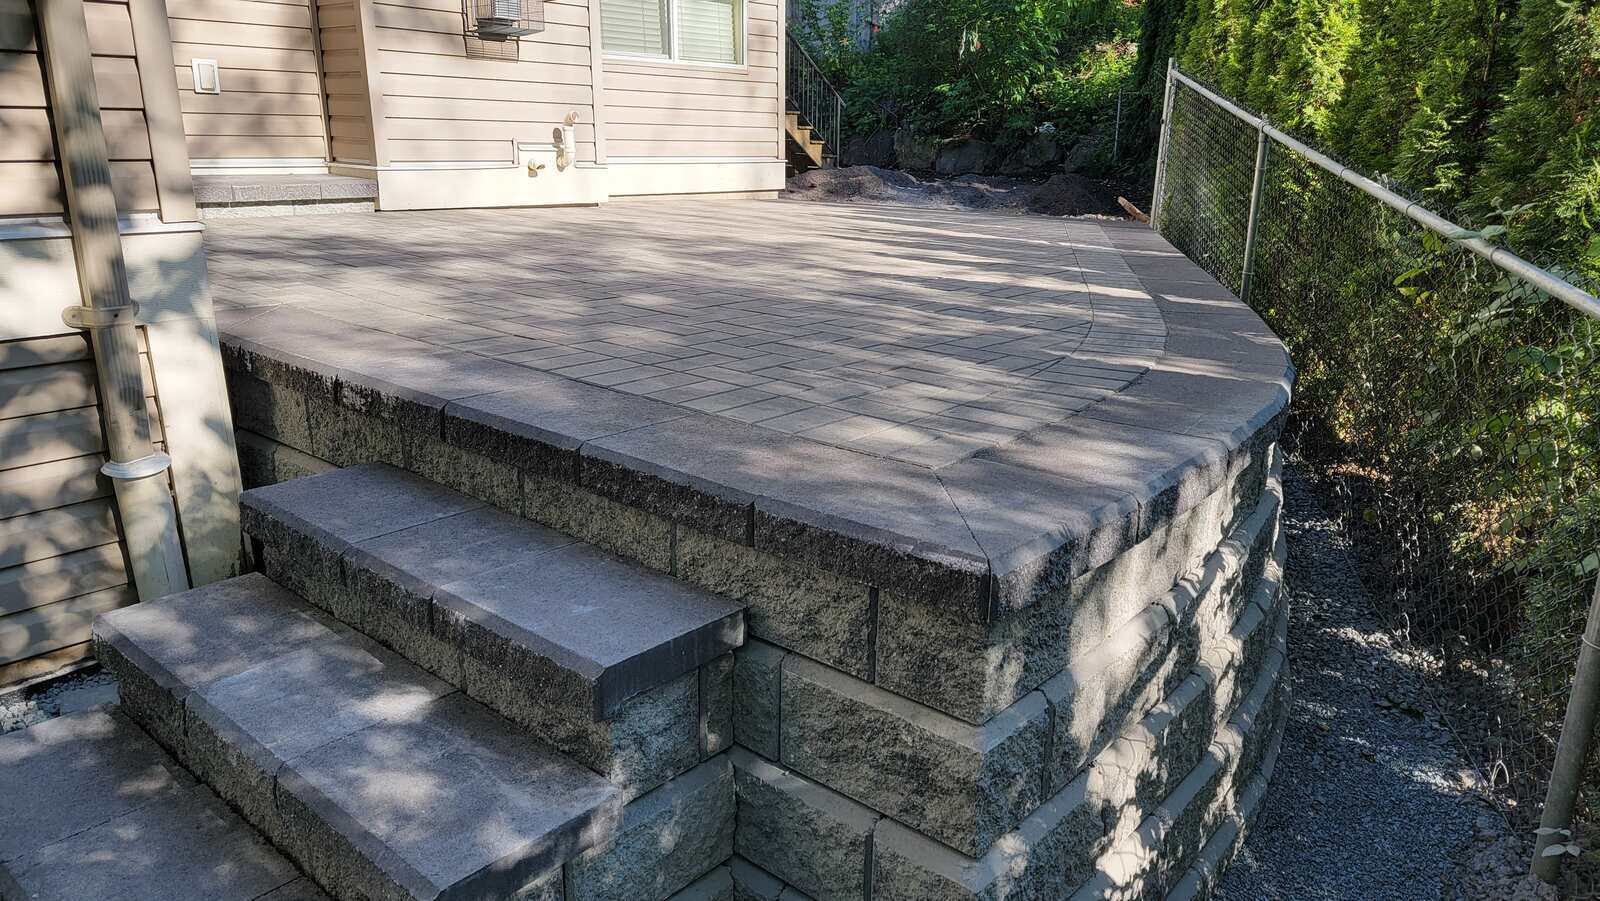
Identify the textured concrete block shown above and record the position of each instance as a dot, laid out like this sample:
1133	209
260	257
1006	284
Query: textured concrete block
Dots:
961	784
799	607
152	700
972	670
810	837
716	706
668	839
1131	776
267	409
488	479
652	737
1106	690
966	669
1055	847
345	437
757	681
599	521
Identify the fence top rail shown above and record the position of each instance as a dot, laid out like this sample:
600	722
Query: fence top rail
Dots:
1543	279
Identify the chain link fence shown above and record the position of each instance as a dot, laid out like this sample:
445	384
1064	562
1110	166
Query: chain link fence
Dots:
1450	410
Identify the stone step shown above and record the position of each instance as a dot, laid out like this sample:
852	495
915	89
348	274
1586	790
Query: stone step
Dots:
595	654
379	780
92	808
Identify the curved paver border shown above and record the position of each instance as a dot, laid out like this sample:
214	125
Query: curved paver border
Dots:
986	536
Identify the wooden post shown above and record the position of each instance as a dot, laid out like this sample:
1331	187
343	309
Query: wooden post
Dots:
137	469
169	152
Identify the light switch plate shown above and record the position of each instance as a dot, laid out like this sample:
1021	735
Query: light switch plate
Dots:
207	76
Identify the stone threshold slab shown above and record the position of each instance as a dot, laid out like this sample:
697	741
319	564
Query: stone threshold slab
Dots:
93	808
586	630
380	780
985	536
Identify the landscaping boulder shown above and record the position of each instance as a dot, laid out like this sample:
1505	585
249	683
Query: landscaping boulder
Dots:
966	156
915	152
1086	151
876	149
1037	154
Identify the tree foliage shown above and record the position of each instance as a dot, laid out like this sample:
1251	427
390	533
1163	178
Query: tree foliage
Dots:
994	68
1488	108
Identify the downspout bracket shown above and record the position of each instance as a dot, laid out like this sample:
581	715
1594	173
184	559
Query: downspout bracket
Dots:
100	317
142	468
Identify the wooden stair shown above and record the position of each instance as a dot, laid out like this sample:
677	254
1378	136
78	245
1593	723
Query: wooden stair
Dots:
805	151
813	113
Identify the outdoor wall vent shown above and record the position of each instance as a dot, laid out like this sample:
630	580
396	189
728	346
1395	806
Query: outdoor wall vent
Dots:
499	20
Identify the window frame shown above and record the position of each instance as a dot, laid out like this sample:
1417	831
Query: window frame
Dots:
741	41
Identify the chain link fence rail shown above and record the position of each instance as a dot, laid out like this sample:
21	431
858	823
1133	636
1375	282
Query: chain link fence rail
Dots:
1448	400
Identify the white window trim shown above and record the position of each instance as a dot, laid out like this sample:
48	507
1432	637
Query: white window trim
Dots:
672	58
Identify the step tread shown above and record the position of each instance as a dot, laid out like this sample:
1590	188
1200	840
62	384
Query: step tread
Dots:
430	788
618	626
95	809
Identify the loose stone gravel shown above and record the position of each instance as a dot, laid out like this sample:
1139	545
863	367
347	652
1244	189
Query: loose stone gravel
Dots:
1370	799
79	691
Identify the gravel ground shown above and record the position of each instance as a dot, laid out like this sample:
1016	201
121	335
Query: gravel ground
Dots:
70	694
1370	799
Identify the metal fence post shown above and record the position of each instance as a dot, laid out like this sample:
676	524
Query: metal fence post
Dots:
1565	775
1116	130
1161	146
1254	215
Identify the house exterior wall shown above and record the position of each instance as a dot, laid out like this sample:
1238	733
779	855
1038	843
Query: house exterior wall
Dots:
61	554
28	182
678	111
441	106
348	97
269	114
440	119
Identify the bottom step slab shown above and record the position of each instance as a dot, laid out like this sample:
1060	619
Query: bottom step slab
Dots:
93	808
381	781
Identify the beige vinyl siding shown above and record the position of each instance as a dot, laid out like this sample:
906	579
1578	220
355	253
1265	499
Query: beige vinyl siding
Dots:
61	563
658	109
344	78
29	182
439	105
268	108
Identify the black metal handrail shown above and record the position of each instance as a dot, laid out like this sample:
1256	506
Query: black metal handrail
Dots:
814	97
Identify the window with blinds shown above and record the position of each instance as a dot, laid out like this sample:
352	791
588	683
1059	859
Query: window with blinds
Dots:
637	27
702	31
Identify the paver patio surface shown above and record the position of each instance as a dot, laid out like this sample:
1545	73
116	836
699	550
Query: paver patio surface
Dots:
924	336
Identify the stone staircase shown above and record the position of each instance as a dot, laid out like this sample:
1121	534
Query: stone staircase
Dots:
451	702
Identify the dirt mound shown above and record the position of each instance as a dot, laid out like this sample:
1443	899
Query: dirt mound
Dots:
1061	195
1066	194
